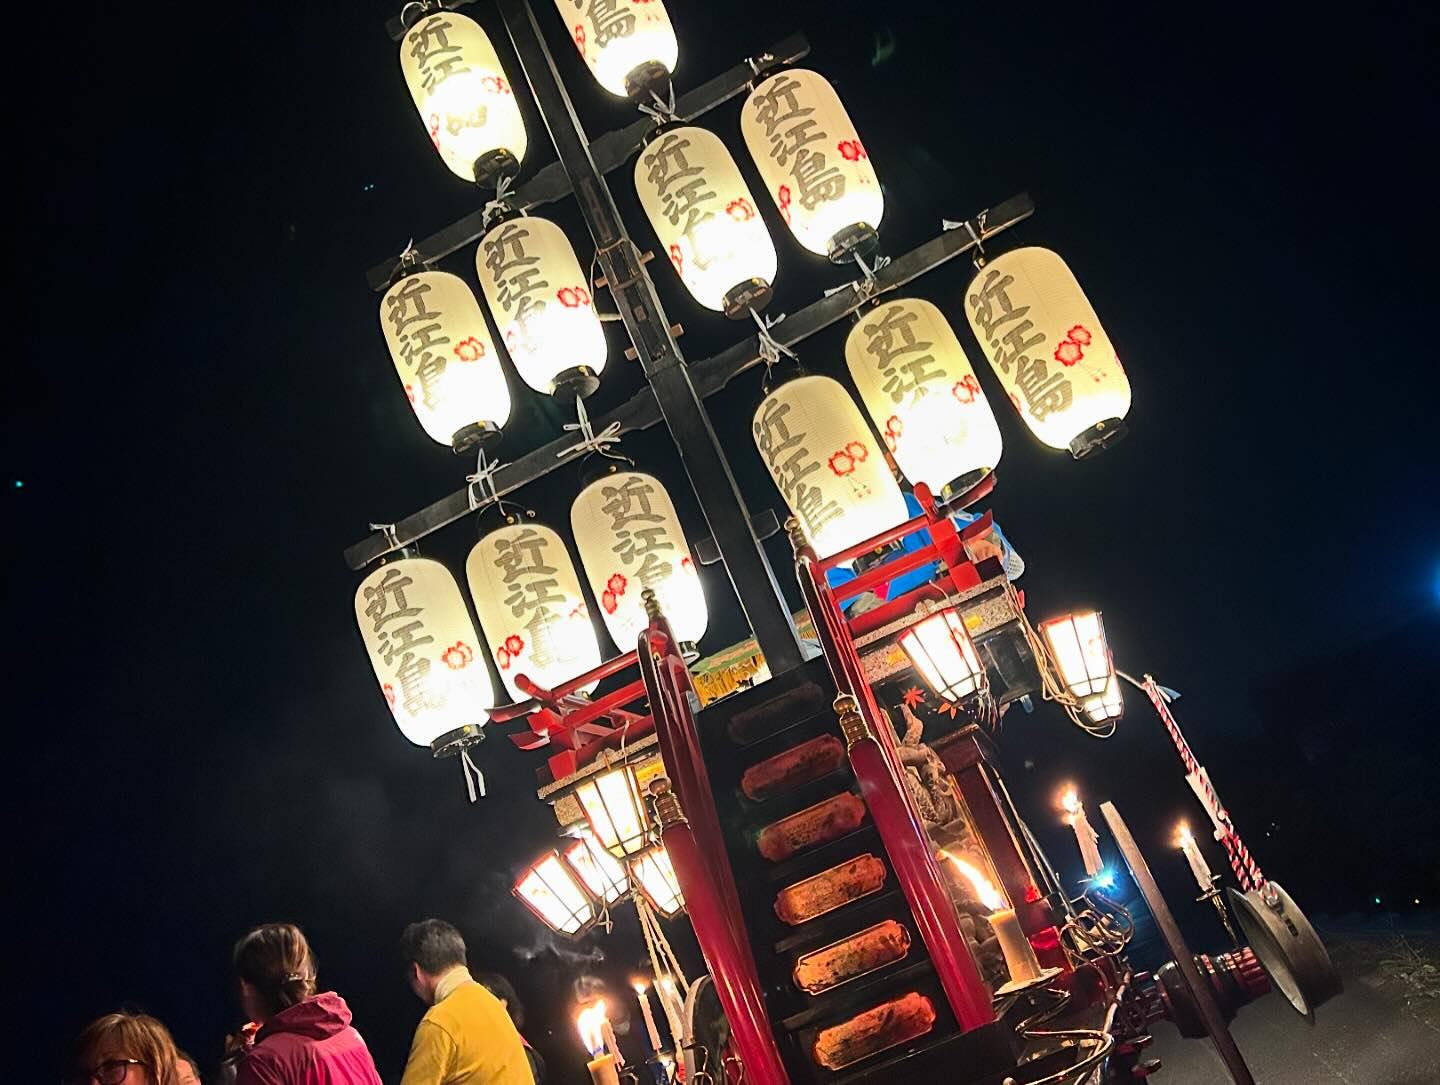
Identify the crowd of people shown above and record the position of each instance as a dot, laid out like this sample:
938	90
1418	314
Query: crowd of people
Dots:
298	1034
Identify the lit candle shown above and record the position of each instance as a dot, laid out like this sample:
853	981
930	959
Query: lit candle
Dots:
1020	959
1084	833
604	1066
1198	866
642	989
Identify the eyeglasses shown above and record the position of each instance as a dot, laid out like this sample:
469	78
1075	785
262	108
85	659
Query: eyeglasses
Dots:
112	1071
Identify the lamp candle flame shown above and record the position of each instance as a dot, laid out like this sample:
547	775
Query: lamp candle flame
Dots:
1085	834
1020	959
642	991
1198	866
596	1035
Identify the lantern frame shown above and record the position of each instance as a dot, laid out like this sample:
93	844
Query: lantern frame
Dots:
1077	665
611	880
1109	705
615	810
654	873
939	647
559	873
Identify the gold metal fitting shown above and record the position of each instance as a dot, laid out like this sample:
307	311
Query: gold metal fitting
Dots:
798	541
852	723
667	804
652	603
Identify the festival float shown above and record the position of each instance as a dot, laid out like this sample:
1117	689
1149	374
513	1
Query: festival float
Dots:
820	803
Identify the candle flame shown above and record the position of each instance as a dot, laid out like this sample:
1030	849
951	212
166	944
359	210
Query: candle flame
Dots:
640	985
591	1023
1183	839
1070	801
988	894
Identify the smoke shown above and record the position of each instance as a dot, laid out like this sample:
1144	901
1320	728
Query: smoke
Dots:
543	941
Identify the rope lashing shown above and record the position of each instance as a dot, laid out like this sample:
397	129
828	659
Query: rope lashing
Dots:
976	231
484	480
769	347
663	111
590	441
499	203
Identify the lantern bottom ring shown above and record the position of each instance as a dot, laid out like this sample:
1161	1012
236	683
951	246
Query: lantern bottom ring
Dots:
646	79
452	742
476	434
965	483
574	383
495	166
1099	436
858	240
741	298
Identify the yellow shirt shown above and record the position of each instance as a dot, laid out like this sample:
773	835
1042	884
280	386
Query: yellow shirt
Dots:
466	1038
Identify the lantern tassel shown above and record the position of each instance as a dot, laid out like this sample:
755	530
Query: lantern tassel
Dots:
474	778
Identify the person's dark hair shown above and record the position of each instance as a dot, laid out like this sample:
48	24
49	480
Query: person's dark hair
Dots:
182	1055
434	945
276	960
502	989
128	1035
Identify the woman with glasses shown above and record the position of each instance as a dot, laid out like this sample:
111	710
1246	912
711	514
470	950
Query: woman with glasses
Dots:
125	1049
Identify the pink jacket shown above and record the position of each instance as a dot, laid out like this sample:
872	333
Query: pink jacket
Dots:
310	1043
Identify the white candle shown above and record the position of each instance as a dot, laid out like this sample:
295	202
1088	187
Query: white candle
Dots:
1085	834
674	1008
610	1043
643	991
1020	959
1198	867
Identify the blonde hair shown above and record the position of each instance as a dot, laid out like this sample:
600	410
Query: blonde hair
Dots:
131	1036
275	959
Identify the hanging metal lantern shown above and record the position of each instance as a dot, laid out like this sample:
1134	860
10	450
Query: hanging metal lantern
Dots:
826	464
923	396
540	299
1109	705
527	595
446	360
630	539
1077	644
629	45
615	810
423	646
550	889
940	648
655	875
813	163
602	875
463	97
706	219
1046	345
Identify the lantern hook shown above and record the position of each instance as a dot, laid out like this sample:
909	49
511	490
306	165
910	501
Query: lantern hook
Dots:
976	230
408	261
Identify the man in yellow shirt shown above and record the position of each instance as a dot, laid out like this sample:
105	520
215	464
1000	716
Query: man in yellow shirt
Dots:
466	1037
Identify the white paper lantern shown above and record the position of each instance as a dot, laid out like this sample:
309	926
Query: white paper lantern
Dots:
424	649
629	45
527	595
922	394
826	464
540	299
446	360
461	92
706	219
630	539
1046	345
813	163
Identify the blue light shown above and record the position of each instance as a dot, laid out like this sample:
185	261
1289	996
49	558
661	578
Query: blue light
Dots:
1377	900
1104	880
19	484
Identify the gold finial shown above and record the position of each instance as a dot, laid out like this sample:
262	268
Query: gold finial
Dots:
798	541
667	804
852	723
652	603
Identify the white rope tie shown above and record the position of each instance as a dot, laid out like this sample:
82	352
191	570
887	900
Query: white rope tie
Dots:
662	111
474	778
865	287
769	347
388	530
590	441
499	203
484	479
976	231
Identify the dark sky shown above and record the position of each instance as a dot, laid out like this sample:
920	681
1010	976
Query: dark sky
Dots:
203	417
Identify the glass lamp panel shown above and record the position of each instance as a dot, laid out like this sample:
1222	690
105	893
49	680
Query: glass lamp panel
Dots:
1077	641
655	875
629	538
1109	705
942	651
617	37
552	892
825	463
810	157
527	595
460	91
443	354
597	868
1046	345
423	647
922	394
704	215
616	812
540	299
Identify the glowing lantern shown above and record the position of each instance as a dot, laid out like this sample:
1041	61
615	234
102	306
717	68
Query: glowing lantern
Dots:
551	891
630	539
1109	705
423	646
602	875
629	45
447	363
616	812
1046	345
922	395
824	460
540	299
1077	643
940	648
813	163
655	875
706	219
461	92
527	595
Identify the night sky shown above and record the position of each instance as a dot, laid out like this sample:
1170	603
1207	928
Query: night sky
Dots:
205	416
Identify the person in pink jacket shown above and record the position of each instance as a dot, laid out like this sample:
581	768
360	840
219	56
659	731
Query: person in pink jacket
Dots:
304	1038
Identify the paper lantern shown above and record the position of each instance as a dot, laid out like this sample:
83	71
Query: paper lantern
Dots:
706	219
655	875
616	812
940	648
424	649
630	539
550	890
527	595
446	360
826	464
813	163
540	299
1046	345
463	97
923	396
597	869
629	45
1109	705
1077	644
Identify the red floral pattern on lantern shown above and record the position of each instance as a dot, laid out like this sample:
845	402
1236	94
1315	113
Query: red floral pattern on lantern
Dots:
495	85
851	150
510	651
1079	334
389	692
572	297
580	38
1015	400
966	389
848	458
617	583
470	350
457	656
579	611
410	394
686	563
1072	348
782	200
514	645
677	258
740	210
610	601
435	130
894	427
